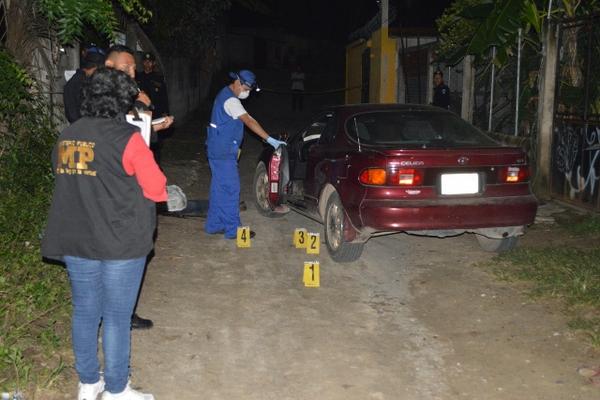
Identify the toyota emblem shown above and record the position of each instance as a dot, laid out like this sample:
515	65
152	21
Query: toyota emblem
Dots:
463	160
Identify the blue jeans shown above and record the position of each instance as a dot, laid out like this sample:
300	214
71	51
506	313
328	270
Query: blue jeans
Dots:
103	291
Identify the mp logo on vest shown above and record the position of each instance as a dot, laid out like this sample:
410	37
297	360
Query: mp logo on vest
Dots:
74	157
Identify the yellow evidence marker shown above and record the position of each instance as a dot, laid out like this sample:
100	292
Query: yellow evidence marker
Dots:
243	236
311	274
314	243
300	238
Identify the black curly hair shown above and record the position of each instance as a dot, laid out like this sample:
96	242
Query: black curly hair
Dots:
108	94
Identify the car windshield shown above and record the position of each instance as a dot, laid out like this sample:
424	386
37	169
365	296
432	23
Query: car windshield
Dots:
421	129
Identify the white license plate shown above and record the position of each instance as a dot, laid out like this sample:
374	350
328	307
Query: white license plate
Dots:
460	183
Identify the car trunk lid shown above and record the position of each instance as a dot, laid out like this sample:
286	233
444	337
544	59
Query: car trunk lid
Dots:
433	173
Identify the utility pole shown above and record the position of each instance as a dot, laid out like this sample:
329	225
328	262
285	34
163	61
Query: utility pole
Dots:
546	111
468	89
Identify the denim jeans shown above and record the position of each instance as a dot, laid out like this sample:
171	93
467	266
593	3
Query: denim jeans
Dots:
103	290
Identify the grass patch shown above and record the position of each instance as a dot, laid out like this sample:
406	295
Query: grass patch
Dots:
589	225
34	297
572	275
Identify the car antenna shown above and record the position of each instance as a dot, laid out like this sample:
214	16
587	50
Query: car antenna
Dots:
357	134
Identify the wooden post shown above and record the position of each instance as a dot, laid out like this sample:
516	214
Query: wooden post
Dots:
546	112
468	89
429	77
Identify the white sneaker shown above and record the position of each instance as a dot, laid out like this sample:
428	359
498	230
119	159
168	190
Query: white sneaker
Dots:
90	391
127	394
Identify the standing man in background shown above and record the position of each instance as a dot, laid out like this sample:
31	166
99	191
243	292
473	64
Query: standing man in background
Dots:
441	91
297	77
153	84
93	58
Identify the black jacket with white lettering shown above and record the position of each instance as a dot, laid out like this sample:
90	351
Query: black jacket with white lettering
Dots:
98	211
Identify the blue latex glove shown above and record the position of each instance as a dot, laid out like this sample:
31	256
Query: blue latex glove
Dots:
275	143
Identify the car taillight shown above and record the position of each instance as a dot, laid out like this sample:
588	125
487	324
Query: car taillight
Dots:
373	176
514	174
393	177
406	177
274	166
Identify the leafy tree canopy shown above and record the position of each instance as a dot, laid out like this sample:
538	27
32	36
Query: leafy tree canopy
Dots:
472	27
70	17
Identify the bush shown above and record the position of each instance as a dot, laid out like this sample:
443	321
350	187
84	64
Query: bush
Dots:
34	297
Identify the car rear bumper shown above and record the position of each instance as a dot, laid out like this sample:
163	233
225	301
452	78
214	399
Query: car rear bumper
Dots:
450	214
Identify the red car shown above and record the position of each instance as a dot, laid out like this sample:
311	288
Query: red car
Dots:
371	169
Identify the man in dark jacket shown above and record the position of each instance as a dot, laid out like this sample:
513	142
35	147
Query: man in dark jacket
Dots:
441	92
152	83
72	97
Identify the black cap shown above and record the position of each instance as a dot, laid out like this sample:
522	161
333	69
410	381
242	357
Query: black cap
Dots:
93	59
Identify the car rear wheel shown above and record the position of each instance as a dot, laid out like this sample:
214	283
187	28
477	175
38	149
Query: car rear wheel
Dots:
497	245
335	220
261	193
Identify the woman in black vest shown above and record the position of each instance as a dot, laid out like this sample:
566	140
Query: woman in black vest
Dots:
101	223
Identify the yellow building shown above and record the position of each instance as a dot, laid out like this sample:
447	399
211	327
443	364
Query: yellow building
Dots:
389	65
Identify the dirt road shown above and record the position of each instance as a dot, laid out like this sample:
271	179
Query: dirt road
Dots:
414	318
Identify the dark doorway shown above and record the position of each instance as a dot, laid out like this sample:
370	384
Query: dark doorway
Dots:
366	75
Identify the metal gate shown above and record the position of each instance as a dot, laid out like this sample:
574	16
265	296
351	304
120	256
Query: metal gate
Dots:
576	139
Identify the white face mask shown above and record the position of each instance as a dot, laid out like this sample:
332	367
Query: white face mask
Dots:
244	95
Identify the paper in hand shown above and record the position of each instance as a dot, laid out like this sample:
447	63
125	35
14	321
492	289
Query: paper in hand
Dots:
142	121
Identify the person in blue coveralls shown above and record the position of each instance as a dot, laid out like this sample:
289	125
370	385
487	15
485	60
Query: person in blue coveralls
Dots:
225	134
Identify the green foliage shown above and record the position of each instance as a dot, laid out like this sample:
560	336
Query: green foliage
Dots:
498	29
69	17
456	26
33	296
474	26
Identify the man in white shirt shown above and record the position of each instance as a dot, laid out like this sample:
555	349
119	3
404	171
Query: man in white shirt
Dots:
297	88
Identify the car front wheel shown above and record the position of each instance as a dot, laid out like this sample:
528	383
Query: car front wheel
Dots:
497	245
261	192
335	221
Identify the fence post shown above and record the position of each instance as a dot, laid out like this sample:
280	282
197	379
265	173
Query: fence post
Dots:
518	88
492	83
546	111
468	89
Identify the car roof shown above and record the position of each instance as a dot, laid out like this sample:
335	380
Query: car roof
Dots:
350	109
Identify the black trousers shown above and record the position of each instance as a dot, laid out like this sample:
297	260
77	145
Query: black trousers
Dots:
297	99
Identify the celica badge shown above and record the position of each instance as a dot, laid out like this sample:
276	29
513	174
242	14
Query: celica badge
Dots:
411	163
463	160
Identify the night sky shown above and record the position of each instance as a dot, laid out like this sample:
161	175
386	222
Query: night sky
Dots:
418	13
335	19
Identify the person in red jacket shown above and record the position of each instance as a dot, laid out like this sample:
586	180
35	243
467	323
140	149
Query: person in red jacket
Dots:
101	224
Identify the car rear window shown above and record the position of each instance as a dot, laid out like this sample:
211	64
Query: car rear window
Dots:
421	129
